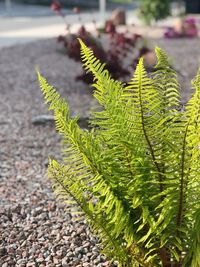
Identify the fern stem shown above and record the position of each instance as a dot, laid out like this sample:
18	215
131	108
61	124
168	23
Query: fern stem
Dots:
180	209
164	257
148	141
138	259
129	163
181	197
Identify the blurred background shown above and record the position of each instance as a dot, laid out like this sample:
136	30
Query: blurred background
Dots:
35	229
19	15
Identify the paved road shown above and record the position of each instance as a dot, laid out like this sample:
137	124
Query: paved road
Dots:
24	29
28	23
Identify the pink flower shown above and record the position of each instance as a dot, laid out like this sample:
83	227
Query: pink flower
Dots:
190	20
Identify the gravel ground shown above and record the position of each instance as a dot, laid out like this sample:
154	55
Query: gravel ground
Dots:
34	228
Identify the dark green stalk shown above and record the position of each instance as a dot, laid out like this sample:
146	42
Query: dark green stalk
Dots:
180	209
149	143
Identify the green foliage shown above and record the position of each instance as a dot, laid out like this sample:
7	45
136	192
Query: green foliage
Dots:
153	10
136	174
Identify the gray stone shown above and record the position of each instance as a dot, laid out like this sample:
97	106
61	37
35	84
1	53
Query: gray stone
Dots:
42	119
118	17
3	251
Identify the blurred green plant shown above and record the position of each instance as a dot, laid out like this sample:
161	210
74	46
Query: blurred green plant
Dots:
153	10
136	174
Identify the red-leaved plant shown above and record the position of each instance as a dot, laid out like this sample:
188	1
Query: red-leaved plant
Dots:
123	48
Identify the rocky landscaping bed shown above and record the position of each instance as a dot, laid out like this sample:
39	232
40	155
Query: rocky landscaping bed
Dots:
35	229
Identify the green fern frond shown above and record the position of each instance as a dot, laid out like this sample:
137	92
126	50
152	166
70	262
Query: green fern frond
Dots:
111	119
106	87
166	82
82	176
136	175
67	185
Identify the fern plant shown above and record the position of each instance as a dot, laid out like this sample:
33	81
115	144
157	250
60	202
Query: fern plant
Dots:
136	174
